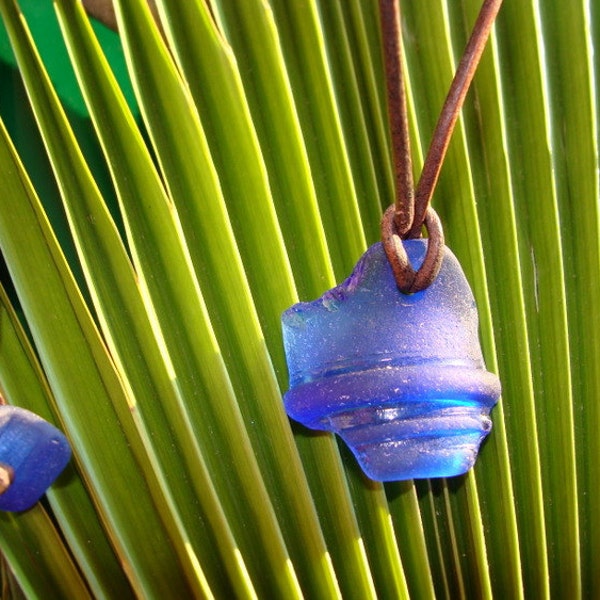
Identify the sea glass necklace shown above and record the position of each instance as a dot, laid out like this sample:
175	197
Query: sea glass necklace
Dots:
390	359
32	455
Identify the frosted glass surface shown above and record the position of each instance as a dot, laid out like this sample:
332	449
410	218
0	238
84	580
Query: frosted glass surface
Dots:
35	451
399	377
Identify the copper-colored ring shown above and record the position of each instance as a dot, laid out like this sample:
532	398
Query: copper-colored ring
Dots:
408	280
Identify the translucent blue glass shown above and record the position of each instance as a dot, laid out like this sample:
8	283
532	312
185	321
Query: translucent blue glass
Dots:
400	378
35	453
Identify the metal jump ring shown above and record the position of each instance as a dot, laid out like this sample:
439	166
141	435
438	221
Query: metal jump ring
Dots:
408	280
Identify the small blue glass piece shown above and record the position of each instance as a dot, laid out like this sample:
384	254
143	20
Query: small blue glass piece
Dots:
400	378
34	451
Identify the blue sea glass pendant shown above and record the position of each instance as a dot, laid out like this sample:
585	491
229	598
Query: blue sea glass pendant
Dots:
32	455
399	377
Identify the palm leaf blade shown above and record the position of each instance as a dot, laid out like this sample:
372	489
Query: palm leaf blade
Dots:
23	384
257	171
57	351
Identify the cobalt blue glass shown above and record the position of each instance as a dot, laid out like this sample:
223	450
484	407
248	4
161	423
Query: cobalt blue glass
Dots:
399	377
34	451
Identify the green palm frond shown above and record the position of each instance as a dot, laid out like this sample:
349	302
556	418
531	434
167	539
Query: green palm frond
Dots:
176	187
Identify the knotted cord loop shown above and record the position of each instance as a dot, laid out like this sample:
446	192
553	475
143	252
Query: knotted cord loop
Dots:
408	280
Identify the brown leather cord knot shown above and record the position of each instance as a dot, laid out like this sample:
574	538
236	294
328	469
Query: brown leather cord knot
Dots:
408	280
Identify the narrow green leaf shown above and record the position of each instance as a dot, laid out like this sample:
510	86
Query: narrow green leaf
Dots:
77	365
10	585
496	224
251	192
337	495
23	384
433	57
238	330
300	38
463	497
490	160
250	30
362	21
404	508
331	494
345	46
378	533
38	556
119	305
83	338
569	68
439	530
267	119
164	269
540	245
143	359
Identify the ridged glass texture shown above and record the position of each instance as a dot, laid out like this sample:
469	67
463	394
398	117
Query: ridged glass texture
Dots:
399	377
